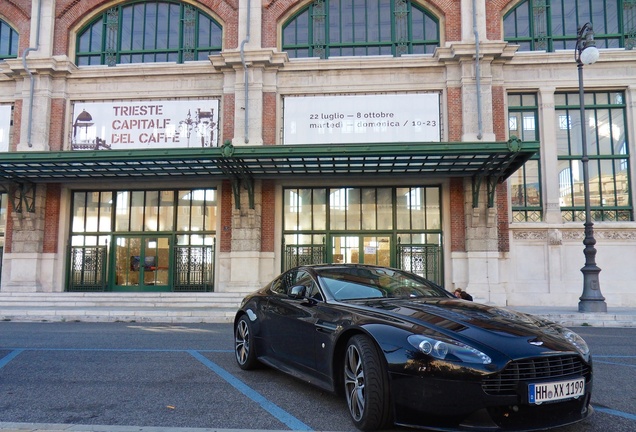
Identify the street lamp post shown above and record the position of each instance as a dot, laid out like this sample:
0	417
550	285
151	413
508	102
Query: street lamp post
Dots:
591	300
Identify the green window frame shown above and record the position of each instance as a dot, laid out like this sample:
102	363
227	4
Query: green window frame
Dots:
148	32
550	25
355	209
608	152
334	28
525	183
183	212
411	216
8	41
105	224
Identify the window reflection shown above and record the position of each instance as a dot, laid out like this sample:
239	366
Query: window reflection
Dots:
525	183
329	28
605	129
149	31
144	211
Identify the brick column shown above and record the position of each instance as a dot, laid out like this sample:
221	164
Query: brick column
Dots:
458	218
268	216
57	123
225	242
51	218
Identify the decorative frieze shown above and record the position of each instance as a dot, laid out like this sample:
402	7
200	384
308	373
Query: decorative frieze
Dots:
530	235
611	234
557	236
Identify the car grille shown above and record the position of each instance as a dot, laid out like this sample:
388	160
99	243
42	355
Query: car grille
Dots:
507	381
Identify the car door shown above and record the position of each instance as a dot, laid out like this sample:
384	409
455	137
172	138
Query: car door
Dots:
291	322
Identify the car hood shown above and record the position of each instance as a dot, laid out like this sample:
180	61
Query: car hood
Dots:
502	329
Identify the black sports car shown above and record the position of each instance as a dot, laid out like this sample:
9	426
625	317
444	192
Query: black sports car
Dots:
404	351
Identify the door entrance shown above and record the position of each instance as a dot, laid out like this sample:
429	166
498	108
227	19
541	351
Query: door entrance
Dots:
142	263
361	249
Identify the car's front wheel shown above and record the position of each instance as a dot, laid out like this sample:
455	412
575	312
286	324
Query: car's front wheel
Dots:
366	384
243	347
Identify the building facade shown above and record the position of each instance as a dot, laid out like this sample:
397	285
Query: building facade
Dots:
204	146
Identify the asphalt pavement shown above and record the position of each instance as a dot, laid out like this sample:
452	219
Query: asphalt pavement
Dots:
147	377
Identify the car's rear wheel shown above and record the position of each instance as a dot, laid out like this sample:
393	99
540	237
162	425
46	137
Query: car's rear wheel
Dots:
366	384
243	347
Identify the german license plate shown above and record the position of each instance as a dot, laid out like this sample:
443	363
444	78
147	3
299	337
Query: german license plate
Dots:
555	391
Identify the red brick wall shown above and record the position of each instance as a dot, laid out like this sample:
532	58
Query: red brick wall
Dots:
51	217
227	11
56	136
451	9
229	100
503	227
499	127
226	217
272	11
14	139
68	13
457	215
17	13
268	221
269	118
455	116
499	121
494	21
8	228
226	195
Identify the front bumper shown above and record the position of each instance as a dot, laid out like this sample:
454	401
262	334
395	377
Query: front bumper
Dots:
463	405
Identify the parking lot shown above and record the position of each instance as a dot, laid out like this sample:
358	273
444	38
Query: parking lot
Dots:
185	376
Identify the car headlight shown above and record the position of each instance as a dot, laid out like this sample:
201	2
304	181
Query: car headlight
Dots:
448	350
577	341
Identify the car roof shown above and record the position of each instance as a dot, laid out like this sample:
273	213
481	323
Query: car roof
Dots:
345	265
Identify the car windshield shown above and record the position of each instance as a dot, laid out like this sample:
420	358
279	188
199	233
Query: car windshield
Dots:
346	283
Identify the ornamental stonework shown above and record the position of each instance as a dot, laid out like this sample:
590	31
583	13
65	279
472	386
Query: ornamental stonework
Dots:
629	235
530	235
555	237
616	235
558	236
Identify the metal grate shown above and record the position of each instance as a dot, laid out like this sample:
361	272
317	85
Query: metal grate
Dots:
88	269
297	255
193	269
423	260
507	381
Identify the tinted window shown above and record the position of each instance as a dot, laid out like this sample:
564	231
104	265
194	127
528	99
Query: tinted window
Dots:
345	283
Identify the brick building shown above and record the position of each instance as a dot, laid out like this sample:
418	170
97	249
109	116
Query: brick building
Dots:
204	146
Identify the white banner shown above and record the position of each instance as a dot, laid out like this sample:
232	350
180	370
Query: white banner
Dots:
5	125
362	119
144	125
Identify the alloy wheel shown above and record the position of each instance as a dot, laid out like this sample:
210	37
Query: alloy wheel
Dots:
242	342
354	382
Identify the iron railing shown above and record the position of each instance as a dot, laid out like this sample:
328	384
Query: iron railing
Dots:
421	259
297	255
88	268
193	269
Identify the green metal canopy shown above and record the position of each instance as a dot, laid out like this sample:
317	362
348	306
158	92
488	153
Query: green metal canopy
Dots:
493	162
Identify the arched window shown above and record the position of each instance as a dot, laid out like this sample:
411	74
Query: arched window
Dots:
550	25
332	28
147	32
8	41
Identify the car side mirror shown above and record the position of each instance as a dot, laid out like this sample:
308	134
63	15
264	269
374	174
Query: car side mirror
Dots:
298	292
